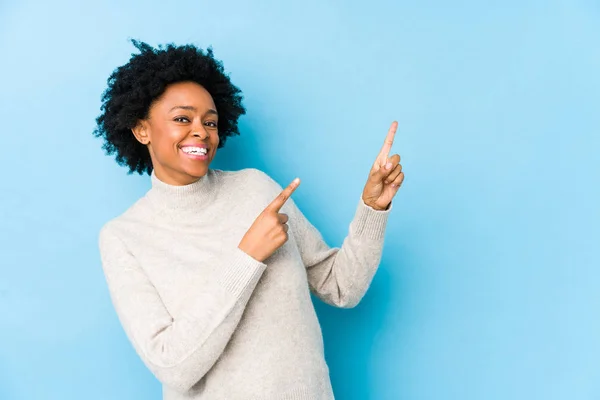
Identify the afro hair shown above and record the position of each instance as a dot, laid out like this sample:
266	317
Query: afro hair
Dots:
133	87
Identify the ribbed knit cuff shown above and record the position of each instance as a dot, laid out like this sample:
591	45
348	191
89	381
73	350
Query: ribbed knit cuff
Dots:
239	271
368	222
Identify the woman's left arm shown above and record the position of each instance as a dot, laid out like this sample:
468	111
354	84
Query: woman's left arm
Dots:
341	276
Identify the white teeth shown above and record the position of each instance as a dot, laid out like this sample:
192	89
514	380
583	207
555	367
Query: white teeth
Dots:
194	150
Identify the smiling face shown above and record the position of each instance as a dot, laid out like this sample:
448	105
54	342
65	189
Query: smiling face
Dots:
181	133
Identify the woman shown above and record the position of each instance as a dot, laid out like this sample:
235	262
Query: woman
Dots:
211	271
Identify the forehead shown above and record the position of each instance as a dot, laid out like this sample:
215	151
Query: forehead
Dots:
185	94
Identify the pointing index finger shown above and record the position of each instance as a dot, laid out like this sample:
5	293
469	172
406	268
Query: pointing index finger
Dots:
280	200
387	144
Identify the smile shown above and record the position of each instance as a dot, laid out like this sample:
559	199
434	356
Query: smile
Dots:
195	150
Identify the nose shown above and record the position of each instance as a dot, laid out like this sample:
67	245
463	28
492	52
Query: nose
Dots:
200	133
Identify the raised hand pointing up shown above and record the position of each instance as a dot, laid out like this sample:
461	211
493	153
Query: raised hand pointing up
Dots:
385	176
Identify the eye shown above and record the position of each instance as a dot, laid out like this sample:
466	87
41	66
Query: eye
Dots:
211	124
180	119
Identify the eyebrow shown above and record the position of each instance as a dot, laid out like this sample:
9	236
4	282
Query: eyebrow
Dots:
192	108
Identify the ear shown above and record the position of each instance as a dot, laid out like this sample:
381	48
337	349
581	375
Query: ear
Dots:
140	131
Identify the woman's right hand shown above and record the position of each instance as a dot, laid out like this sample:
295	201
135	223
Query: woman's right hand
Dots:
269	230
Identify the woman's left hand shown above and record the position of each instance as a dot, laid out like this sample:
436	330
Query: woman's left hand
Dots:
385	177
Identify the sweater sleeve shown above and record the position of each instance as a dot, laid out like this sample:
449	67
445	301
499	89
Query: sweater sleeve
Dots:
179	351
340	276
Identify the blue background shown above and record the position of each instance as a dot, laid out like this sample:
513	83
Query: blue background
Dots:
489	287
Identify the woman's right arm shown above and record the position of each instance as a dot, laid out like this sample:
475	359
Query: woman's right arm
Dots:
179	351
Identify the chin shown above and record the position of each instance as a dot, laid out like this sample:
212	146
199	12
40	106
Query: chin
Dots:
197	172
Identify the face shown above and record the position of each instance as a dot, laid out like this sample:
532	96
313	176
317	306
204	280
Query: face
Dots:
181	133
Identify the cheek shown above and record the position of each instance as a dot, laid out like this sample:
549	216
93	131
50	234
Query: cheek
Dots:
165	142
171	138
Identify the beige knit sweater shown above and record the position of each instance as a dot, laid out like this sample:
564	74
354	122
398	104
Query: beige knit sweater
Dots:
210	321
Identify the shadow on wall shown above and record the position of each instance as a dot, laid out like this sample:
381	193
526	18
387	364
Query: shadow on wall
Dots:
242	151
350	335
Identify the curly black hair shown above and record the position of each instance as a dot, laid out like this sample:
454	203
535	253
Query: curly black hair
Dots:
133	87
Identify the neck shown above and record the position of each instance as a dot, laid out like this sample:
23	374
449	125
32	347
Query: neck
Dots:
174	178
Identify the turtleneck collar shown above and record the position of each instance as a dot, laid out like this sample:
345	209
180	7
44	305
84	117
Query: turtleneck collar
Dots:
192	197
